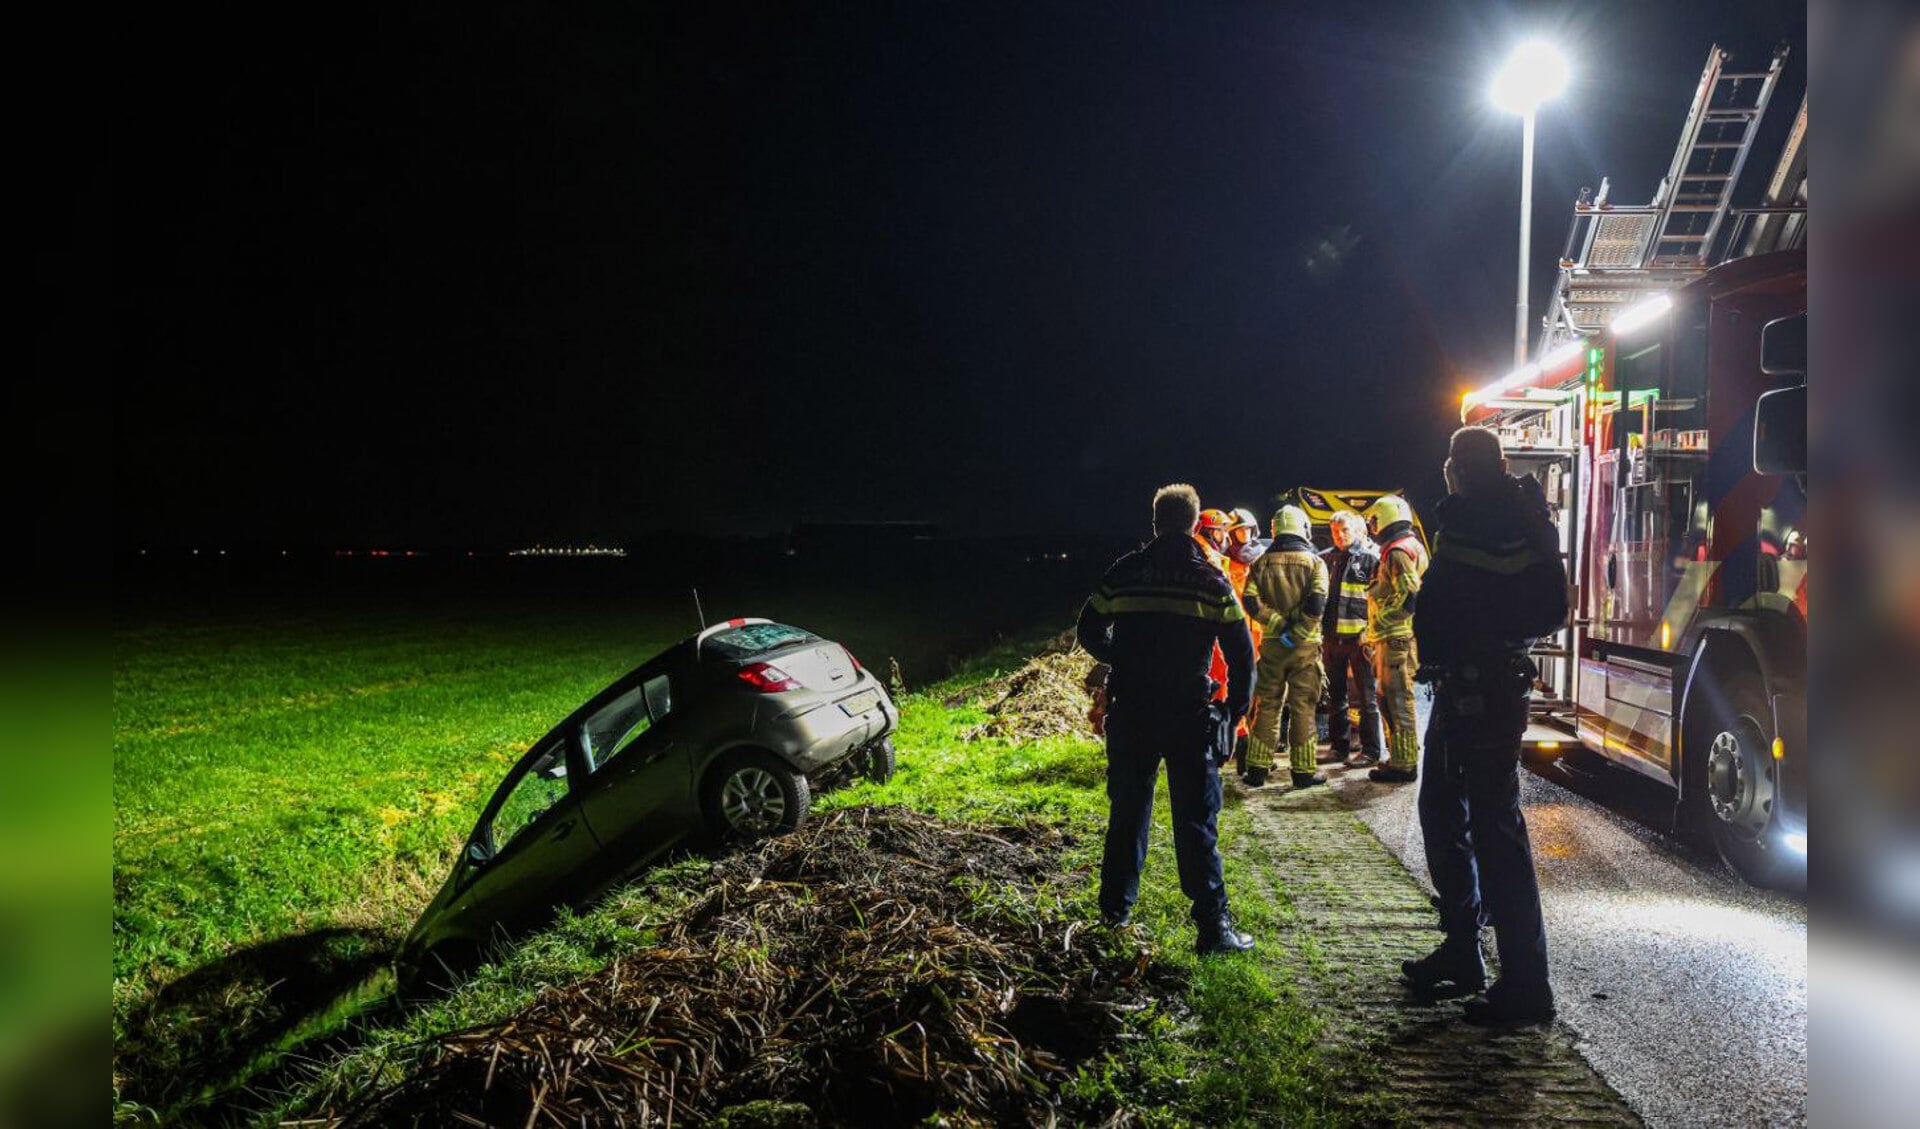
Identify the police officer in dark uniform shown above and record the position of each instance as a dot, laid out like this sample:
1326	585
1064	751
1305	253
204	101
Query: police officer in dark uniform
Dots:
1155	619
1496	584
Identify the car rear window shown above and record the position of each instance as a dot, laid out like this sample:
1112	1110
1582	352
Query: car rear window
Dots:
752	639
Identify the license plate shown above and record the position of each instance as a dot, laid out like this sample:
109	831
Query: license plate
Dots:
860	703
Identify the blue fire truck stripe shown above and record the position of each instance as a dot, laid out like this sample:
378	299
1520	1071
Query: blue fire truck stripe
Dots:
1728	463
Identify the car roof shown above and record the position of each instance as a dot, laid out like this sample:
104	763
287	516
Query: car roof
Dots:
684	652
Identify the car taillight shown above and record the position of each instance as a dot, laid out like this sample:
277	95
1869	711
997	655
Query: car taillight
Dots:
767	678
851	659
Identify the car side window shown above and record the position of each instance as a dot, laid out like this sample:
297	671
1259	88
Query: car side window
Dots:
659	696
541	784
624	720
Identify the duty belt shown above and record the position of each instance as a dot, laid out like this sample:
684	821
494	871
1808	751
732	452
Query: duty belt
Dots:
1483	671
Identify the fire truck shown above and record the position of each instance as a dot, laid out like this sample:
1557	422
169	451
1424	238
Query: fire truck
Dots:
1664	414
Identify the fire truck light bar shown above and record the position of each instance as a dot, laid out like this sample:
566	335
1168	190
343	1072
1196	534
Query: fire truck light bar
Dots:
1640	316
1527	373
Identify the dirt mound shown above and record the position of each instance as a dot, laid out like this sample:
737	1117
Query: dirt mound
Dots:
1045	698
876	967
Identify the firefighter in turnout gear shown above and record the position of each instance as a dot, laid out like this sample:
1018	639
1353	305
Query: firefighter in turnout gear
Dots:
1390	602
1155	620
1286	595
1229	537
1497	584
1243	546
1211	533
1348	656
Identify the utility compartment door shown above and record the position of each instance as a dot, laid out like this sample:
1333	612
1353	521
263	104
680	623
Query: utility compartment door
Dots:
1625	710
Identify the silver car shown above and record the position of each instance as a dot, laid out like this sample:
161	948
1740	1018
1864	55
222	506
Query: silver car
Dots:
725	732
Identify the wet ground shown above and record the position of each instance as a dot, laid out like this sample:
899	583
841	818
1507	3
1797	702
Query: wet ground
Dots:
1686	989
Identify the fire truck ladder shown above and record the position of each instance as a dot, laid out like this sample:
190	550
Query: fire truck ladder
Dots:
1698	188
1617	255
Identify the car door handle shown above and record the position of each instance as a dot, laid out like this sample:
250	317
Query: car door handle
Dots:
563	830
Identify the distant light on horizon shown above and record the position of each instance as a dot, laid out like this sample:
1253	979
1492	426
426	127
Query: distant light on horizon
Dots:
568	551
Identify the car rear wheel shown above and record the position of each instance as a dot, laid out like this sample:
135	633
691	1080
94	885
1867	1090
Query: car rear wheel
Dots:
879	761
752	795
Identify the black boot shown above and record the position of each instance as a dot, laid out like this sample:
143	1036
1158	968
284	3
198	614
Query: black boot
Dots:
1308	779
1393	774
1453	969
1254	777
1221	937
1509	1005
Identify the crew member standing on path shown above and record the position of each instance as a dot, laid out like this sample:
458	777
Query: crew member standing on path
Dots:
1390	599
1156	618
1349	657
1212	533
1231	537
1286	595
1496	585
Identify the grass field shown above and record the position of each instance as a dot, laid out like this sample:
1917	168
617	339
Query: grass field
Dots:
289	789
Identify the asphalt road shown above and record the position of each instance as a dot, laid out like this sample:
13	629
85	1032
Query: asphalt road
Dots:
1687	989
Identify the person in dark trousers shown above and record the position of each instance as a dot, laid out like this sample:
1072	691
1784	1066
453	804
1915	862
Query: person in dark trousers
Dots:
1349	659
1496	584
1155	619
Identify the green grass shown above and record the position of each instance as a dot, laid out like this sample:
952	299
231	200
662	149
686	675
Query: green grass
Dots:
303	791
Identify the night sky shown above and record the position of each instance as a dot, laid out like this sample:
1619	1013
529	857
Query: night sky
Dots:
482	273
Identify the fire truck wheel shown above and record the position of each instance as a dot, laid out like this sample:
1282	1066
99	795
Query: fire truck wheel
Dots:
1736	777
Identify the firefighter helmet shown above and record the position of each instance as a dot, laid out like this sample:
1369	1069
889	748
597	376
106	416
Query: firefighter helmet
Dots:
1213	528
1241	528
1386	510
1291	521
1243	537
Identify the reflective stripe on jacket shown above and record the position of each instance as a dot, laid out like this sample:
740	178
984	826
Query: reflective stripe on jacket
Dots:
1156	617
1287	591
1349	572
1396	583
1497	581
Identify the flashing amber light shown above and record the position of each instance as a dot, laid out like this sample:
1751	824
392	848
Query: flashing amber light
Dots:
1547	746
1779	748
1666	635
